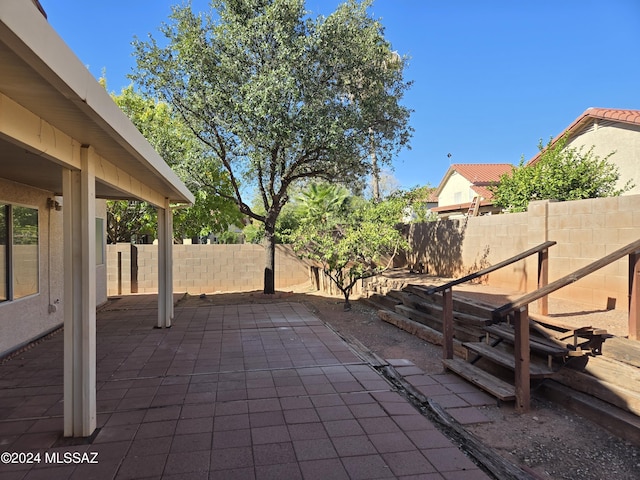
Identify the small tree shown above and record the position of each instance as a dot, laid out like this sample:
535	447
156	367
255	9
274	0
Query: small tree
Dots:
562	173
355	244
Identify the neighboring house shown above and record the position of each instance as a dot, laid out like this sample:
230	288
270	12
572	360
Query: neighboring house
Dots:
608	130
464	189
64	146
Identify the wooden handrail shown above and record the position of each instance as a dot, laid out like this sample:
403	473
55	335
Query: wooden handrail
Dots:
505	309
485	271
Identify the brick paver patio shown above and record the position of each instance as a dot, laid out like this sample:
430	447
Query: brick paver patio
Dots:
264	391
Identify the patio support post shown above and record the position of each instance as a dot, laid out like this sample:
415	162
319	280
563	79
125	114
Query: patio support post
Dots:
447	323
634	296
79	224
165	265
522	359
543	280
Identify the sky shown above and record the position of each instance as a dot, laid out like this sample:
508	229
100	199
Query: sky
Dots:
491	78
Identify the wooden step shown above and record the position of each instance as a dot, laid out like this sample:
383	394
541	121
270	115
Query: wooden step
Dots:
383	301
538	344
506	359
493	385
467	333
414	302
460	304
420	330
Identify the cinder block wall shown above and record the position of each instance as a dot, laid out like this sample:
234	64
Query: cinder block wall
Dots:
585	231
201	268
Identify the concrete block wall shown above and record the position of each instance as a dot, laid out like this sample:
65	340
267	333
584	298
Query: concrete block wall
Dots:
201	268
585	231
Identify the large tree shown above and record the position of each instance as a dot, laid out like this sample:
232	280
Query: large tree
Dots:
279	97
562	173
179	147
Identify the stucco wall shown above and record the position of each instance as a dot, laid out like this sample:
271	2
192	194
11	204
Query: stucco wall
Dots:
201	268
607	137
585	231
27	318
456	184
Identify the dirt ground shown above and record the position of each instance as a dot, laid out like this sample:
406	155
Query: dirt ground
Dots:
550	442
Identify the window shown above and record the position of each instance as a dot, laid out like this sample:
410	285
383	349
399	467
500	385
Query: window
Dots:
4	255
19	258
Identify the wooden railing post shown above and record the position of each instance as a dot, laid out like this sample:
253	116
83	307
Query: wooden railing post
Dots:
634	295
543	279
447	323
522	359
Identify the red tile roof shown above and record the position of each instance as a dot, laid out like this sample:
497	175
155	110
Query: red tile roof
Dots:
614	114
482	173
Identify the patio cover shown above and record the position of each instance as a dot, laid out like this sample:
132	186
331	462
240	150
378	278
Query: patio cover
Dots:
61	132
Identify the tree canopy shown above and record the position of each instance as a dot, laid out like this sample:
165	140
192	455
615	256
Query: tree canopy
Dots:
350	238
561	173
178	146
279	97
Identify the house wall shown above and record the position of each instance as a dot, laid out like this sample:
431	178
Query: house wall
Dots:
201	268
28	318
585	231
456	184
608	136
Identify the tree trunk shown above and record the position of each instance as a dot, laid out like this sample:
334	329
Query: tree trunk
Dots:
270	260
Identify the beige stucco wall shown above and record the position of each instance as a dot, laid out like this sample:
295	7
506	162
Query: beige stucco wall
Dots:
608	137
455	184
28	318
201	268
585	231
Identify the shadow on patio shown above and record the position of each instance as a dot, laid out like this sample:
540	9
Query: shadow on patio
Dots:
230	391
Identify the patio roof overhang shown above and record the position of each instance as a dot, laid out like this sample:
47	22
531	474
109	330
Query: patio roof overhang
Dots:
51	106
60	131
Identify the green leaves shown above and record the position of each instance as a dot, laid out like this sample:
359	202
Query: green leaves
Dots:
562	173
278	97
213	210
351	239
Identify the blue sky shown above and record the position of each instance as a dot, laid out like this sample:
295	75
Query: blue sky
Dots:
491	77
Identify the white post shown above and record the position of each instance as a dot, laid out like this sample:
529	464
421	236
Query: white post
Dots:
80	298
165	265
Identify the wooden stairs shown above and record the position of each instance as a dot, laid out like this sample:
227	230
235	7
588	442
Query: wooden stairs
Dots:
586	360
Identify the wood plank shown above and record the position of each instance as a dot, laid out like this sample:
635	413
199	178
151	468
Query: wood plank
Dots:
622	350
467	333
493	385
461	304
421	331
614	394
613	372
538	345
506	359
417	303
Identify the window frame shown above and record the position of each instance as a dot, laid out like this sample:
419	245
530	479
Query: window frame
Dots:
9	255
